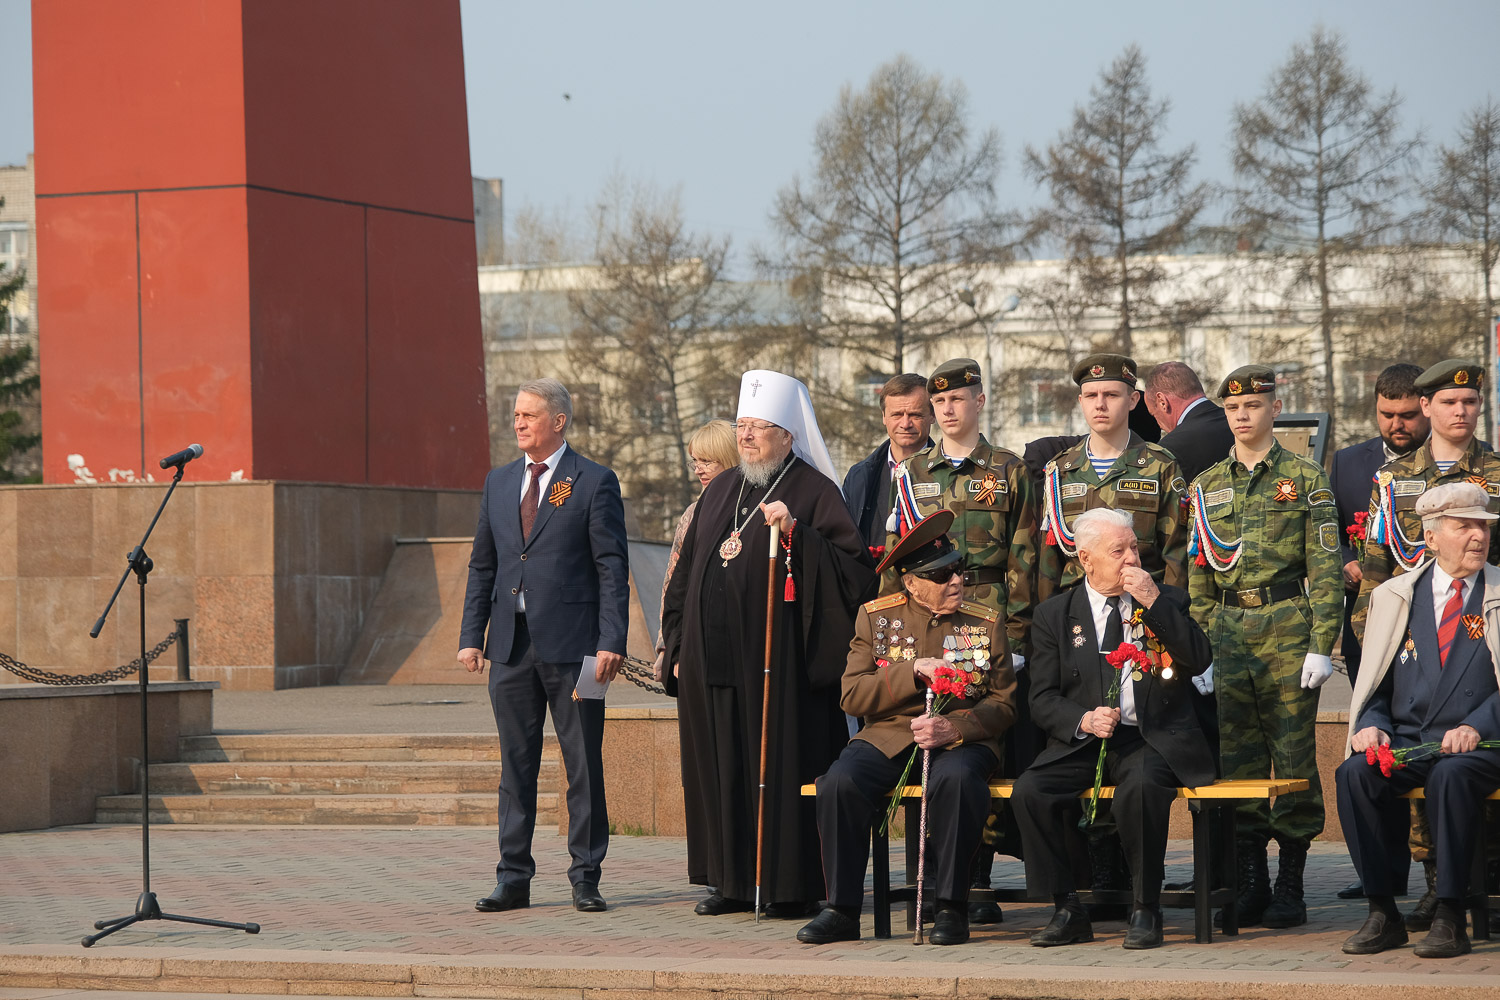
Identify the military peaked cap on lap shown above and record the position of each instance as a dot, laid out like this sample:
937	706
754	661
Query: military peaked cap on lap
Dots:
926	546
1248	380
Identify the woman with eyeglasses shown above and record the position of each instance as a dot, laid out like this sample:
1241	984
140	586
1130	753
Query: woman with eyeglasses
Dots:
711	450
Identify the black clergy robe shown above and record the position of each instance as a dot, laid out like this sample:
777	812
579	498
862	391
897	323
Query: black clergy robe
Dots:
714	625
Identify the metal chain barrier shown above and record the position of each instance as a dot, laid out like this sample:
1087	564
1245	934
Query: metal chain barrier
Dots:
38	676
640	673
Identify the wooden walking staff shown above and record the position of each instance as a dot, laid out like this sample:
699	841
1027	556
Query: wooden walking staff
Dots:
765	715
922	831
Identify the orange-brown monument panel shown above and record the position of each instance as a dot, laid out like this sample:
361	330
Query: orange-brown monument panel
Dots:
273	320
91	395
195	318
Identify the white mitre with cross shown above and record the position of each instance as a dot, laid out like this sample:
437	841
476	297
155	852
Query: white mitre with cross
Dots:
785	402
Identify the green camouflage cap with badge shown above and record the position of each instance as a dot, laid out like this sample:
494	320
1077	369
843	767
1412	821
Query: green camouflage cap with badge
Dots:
1451	374
958	373
1105	368
1248	380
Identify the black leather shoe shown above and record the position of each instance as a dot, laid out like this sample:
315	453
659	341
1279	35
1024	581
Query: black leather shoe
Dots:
828	927
1356	890
1447	939
505	897
987	912
1381	932
1144	930
951	925
789	911
718	904
1068	926
586	898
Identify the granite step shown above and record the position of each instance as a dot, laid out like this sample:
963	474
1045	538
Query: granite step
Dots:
356	747
338	777
323	810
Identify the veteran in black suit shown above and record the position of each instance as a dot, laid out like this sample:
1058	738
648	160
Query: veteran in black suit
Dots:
1155	743
1433	642
548	585
1398	415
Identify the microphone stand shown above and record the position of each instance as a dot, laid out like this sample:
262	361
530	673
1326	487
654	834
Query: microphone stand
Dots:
146	906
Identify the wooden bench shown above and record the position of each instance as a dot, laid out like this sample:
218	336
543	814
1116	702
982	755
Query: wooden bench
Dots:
1216	799
1479	900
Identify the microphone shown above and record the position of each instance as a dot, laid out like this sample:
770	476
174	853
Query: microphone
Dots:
182	457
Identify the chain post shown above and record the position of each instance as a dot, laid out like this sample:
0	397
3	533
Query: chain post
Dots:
184	667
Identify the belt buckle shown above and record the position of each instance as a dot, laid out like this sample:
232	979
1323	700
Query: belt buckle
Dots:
970	577
1249	598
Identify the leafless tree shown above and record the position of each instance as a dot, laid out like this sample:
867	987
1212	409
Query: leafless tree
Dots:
1119	200
1464	195
897	215
1320	159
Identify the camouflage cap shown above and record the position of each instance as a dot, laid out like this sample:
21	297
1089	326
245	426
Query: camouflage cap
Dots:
1248	380
1451	374
1467	500
955	374
925	546
1105	367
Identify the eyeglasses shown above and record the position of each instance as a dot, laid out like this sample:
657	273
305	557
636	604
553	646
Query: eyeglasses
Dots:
704	463
941	574
752	427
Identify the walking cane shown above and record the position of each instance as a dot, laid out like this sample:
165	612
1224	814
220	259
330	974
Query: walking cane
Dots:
922	831
765	715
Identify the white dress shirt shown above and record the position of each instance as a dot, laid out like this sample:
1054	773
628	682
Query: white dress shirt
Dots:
1189	409
1442	590
1099	606
541	496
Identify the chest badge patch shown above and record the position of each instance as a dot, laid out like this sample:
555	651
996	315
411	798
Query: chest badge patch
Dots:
1286	490
984	489
1474	624
926	491
558	493
1409	649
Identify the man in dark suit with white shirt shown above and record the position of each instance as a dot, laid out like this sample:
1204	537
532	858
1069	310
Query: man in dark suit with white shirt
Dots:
548	582
1193	429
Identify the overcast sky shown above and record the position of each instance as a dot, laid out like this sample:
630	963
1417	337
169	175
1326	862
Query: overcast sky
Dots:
722	98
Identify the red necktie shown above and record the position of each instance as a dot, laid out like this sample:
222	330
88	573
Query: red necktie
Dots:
1448	627
532	498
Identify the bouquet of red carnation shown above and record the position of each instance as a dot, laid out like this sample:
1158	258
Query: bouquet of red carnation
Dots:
1356	531
947	684
1390	760
1138	663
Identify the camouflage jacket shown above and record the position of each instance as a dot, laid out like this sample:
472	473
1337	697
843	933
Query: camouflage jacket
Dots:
1282	516
994	527
1145	481
1403	481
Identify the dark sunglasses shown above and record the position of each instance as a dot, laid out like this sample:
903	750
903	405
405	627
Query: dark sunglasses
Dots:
940	575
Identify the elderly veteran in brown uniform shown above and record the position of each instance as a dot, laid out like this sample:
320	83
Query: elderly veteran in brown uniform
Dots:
900	643
1430	691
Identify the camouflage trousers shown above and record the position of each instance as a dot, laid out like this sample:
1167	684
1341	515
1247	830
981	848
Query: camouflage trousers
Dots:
1267	720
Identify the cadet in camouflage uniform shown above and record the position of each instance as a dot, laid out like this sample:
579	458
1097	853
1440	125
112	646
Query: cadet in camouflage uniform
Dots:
1451	399
992	498
1111	467
1143	479
1263	520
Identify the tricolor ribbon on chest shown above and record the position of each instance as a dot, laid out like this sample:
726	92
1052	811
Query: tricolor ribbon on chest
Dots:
1207	548
1387	529
1054	525
904	515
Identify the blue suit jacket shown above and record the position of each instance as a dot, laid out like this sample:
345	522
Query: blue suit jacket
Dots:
1351	477
574	569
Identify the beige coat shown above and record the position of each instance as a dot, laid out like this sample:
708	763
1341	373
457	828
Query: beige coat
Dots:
1390	609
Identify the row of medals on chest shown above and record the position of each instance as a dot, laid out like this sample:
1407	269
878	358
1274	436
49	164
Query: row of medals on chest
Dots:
967	648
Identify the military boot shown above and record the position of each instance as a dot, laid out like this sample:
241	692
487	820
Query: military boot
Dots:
1287	908
1252	885
986	911
1420	919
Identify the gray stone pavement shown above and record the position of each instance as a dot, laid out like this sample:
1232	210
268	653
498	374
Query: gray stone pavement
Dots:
411	892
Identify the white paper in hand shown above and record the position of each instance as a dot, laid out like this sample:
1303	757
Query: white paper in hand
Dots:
588	685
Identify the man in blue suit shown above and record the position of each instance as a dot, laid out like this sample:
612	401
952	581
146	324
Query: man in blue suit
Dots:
1432	683
548	579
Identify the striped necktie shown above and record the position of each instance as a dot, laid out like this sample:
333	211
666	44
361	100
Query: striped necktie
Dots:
1448	627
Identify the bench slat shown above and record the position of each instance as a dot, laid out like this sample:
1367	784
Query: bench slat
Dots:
1224	788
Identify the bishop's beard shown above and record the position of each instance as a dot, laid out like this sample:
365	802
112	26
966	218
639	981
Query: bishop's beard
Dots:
760	474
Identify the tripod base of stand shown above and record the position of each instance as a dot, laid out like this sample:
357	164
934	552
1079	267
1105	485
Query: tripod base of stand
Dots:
146	908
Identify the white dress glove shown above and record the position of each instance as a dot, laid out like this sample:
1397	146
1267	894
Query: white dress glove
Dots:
1017	662
1204	682
1316	669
